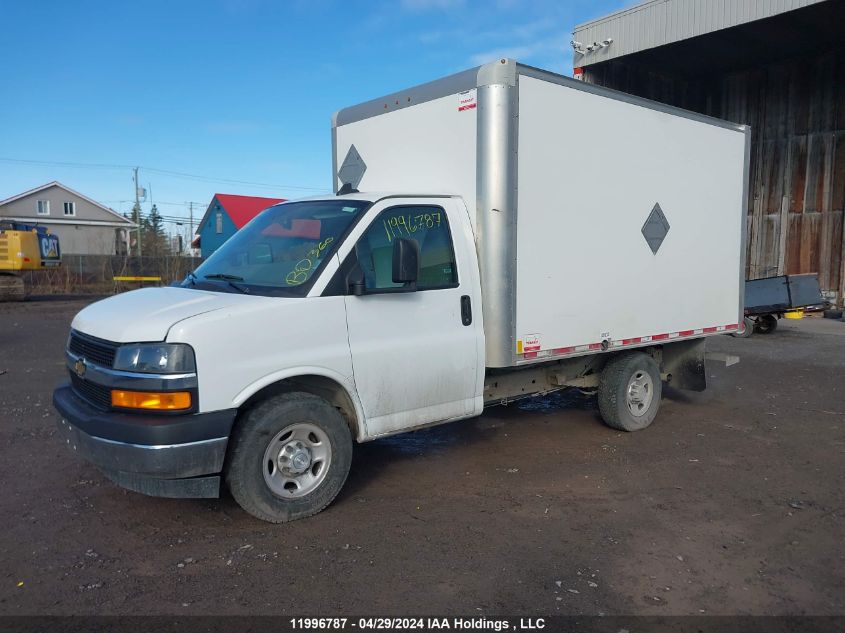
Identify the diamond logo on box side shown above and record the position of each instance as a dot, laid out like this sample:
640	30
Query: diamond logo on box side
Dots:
353	168
655	228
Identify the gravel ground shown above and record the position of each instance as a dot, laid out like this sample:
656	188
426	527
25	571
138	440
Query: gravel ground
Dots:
730	503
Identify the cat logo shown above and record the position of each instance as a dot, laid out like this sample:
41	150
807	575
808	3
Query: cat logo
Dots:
50	247
80	368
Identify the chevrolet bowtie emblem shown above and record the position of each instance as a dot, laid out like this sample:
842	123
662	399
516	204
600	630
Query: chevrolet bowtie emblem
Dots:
79	367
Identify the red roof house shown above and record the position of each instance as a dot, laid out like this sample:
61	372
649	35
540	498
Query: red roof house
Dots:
226	214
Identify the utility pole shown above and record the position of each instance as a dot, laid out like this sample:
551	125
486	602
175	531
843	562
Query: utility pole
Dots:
138	210
191	231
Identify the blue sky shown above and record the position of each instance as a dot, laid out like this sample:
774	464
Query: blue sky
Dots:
238	90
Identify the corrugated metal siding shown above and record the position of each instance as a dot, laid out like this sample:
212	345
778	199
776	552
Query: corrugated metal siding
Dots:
660	22
796	110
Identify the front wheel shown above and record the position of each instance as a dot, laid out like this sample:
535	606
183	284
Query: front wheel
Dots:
289	458
630	391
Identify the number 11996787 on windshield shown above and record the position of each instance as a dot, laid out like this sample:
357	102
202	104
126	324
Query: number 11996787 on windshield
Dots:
405	225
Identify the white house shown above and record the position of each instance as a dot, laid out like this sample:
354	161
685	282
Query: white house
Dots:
84	226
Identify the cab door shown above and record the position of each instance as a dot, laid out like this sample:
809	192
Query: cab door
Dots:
416	353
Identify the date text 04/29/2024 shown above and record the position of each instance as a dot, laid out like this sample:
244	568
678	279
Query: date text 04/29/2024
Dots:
417	624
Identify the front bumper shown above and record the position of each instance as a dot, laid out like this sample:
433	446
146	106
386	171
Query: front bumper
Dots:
158	455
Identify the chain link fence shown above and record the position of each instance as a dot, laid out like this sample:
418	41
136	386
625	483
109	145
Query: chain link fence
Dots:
95	274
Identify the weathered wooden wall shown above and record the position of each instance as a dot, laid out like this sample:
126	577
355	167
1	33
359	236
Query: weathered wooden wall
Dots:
796	109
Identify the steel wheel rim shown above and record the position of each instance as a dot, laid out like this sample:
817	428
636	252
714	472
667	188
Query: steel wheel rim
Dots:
297	460
639	393
764	325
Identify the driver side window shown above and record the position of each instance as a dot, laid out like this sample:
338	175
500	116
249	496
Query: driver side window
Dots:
427	225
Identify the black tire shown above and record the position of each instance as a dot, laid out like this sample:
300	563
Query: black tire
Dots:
749	328
252	438
766	324
613	391
833	314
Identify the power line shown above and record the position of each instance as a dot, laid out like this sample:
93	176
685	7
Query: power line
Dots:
155	170
179	174
64	164
178	204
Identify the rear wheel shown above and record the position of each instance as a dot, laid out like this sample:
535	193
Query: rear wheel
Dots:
289	457
630	391
766	324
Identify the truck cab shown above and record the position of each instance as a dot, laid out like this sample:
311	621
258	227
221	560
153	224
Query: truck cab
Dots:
353	316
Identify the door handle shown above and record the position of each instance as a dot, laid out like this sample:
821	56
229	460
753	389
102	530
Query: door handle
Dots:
466	310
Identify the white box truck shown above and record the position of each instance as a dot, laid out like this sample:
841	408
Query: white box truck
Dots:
494	234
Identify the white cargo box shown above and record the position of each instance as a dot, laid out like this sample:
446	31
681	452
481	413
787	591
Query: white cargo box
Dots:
602	220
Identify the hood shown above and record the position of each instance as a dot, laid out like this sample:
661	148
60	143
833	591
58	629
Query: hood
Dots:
148	314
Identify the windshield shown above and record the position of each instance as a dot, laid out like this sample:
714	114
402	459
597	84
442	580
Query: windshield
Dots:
280	250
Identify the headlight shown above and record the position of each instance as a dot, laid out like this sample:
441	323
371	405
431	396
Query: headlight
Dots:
156	358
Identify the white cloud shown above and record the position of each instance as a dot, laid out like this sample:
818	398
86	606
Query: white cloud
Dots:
431	37
517	52
532	33
542	51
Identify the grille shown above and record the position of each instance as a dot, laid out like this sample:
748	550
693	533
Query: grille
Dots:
96	350
97	395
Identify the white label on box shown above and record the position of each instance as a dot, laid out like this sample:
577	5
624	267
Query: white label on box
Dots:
466	100
531	343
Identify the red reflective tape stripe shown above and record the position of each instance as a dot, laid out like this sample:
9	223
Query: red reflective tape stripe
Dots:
629	341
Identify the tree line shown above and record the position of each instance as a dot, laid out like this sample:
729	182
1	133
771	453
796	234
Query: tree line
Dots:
154	241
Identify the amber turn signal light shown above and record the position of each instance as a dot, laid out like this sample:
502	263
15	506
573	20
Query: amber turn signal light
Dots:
167	401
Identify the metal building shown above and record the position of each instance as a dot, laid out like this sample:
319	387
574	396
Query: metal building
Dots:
777	65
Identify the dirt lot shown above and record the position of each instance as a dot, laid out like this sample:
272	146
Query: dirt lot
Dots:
731	503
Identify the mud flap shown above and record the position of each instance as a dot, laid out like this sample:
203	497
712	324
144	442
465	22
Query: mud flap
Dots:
683	365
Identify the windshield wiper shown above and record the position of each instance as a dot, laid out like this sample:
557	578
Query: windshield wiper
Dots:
192	278
229	279
223	276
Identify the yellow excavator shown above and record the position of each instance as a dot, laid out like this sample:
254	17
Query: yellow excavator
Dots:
24	248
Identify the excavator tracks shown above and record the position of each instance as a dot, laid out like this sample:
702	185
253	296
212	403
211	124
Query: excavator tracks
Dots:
12	288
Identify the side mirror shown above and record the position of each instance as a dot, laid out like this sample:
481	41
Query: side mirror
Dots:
355	280
406	261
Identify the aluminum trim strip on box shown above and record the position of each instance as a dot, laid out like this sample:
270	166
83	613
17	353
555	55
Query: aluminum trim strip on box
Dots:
569	82
453	84
496	219
573	351
746	184
334	157
504	72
